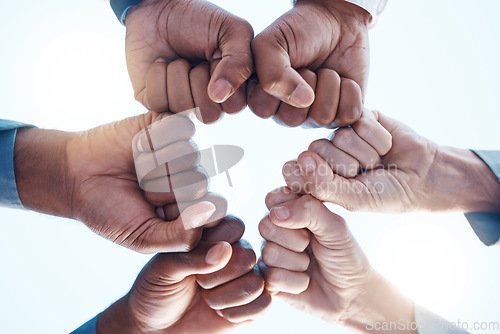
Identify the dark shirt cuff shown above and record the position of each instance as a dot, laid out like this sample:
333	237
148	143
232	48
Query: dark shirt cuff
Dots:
486	225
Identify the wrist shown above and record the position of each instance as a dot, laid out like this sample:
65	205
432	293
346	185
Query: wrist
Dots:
41	170
462	182
117	319
379	306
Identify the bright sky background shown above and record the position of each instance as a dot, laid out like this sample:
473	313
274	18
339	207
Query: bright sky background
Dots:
434	66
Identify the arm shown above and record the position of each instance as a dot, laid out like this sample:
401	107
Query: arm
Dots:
312	261
167	298
412	173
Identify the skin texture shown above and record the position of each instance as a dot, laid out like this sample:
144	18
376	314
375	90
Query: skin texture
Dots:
90	176
312	65
167	297
412	174
192	32
325	273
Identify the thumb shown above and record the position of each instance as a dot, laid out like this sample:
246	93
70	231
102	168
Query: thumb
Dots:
236	64
310	213
180	235
207	258
276	74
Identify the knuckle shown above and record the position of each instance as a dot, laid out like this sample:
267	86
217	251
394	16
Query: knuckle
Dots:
342	138
269	254
266	229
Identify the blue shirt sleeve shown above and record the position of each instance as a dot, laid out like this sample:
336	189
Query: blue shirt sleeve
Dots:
8	189
487	225
120	8
90	327
430	323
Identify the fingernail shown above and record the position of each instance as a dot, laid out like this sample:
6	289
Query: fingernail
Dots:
214	255
206	210
308	164
281	212
303	96
220	90
219	313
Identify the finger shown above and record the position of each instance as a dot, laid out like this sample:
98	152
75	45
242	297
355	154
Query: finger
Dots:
340	162
276	256
164	132
261	103
249	311
324	185
279	195
180	187
275	72
350	104
236	102
308	212
230	229
172	211
372	132
290	115
241	263
174	158
178	86
210	110
347	140
324	109
293	177
168	269
236	65
282	280
241	291
156	86
294	240
180	235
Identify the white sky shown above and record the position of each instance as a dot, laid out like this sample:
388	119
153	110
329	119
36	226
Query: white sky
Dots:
434	66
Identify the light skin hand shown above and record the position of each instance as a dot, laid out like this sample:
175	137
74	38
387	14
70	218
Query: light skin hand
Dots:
162	31
315	60
330	277
90	176
167	298
412	174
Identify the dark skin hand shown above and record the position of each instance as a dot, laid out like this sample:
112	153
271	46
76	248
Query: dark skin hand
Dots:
161	31
312	65
167	297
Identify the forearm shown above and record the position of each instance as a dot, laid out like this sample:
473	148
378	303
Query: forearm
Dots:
460	181
381	309
40	169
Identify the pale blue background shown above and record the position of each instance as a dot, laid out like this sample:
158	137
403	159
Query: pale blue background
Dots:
435	66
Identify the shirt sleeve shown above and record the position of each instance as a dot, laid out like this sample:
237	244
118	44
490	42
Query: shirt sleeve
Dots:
486	225
8	189
374	7
430	323
90	327
120	8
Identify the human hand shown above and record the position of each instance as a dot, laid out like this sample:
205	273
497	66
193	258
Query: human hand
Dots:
167	298
312	261
90	176
413	174
315	59
162	31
